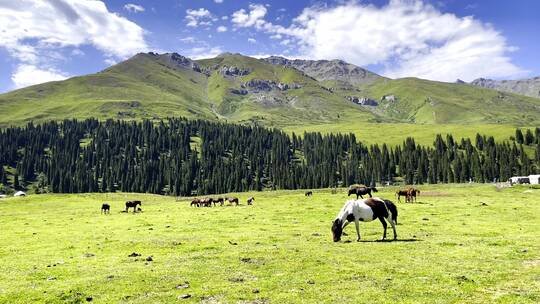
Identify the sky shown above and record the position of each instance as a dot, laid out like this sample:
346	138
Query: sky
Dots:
45	40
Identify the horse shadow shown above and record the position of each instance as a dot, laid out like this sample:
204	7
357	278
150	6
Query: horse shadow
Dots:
384	241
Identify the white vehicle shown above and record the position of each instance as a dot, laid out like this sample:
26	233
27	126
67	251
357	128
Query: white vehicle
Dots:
19	193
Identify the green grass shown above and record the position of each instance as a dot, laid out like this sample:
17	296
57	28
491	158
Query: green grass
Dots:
396	133
453	249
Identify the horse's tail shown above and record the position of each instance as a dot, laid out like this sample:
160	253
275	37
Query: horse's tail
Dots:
393	210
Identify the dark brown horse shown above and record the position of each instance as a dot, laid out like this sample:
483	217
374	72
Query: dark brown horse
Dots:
233	199
196	202
105	208
133	204
412	194
219	200
360	191
309	193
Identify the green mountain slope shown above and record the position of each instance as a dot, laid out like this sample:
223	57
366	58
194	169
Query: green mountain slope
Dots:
237	88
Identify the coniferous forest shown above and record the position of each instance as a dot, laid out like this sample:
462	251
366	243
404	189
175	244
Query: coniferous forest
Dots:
194	157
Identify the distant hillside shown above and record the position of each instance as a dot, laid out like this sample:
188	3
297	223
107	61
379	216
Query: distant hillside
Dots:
272	92
528	87
324	70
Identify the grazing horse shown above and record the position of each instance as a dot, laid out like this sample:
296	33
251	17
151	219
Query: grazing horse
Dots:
365	210
309	193
359	191
207	202
219	200
232	200
106	208
196	202
133	204
412	194
250	200
405	193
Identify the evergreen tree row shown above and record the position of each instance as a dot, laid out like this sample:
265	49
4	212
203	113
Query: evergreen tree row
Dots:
194	157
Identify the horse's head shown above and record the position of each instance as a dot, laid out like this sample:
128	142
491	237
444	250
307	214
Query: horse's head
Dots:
374	189
337	230
352	191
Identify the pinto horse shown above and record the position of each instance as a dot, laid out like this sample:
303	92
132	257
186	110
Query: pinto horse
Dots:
206	202
359	191
250	200
365	210
133	204
233	200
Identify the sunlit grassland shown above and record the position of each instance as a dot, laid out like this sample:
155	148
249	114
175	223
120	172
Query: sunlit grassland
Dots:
459	243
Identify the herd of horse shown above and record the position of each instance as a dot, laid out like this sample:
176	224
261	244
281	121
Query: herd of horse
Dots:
354	211
208	201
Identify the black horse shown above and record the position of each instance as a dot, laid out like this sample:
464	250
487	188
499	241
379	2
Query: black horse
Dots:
133	204
105	208
309	193
359	191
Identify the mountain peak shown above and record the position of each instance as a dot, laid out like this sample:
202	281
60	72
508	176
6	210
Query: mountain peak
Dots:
323	70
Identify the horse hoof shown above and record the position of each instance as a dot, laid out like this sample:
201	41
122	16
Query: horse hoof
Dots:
358	240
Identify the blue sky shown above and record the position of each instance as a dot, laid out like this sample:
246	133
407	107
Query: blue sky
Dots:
439	40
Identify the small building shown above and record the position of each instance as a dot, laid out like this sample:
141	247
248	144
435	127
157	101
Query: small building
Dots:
519	180
19	193
534	179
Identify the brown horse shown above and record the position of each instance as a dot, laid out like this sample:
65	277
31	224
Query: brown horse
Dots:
196	202
233	199
412	194
309	193
133	204
403	192
250	200
359	191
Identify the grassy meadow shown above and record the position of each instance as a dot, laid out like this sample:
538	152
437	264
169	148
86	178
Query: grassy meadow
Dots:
457	244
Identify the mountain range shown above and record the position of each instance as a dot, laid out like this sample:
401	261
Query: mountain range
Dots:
274	92
528	87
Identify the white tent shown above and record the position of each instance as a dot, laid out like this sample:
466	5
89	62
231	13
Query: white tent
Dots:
19	193
534	179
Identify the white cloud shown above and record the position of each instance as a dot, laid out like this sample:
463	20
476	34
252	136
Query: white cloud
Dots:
199	17
40	30
218	1
204	52
408	38
221	29
255	16
26	75
252	40
134	8
189	39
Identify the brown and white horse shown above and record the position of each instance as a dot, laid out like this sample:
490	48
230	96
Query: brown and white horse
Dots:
232	200
365	210
250	200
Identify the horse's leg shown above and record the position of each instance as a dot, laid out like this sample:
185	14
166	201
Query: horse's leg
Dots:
343	228
393	224
357	224
383	222
369	193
